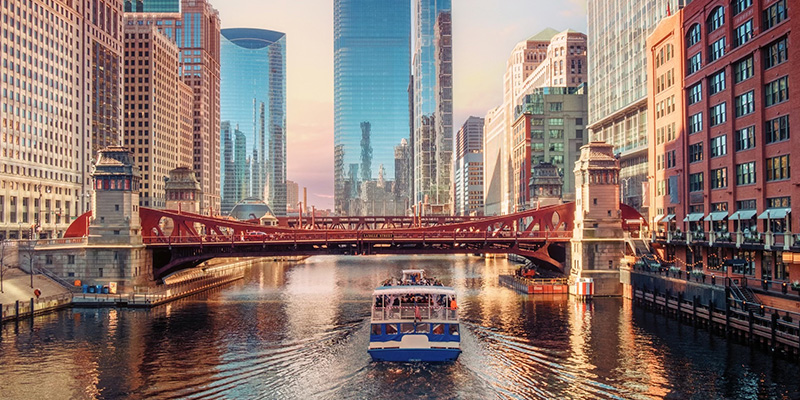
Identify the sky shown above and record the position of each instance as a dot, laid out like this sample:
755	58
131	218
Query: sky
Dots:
484	33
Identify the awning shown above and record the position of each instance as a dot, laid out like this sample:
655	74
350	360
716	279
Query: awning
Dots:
736	262
716	216
633	221
668	218
775	213
693	217
658	218
742	215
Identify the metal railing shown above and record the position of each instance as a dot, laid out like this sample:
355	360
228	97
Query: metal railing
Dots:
12	311
412	313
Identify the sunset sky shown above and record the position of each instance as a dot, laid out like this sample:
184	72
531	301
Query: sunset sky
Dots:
483	35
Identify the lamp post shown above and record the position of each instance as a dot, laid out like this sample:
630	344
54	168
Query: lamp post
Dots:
625	187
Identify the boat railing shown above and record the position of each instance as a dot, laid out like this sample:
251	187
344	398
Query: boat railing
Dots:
414	312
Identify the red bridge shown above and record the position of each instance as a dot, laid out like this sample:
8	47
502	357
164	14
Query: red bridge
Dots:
181	240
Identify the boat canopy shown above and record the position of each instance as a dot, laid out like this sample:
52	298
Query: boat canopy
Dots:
413	289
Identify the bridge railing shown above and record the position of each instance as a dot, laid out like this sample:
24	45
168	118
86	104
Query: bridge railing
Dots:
410	313
367	236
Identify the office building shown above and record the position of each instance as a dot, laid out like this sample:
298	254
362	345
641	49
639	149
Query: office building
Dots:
468	171
154	110
371	79
433	118
196	31
153	6
618	92
253	100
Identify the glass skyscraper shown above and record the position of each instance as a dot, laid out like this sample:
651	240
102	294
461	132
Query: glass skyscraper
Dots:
253	103
371	78
153	6
432	136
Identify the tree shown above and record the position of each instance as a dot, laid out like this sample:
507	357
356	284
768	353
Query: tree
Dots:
29	250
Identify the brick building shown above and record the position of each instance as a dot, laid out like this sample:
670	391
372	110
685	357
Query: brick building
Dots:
724	184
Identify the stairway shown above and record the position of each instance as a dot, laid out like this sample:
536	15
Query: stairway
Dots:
745	296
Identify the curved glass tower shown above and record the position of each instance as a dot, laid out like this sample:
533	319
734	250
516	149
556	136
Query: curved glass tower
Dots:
371	78
253	107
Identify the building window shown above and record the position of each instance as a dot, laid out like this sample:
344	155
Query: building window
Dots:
671	160
716	83
746	173
778	168
556	106
716	50
556	133
717	114
694	64
745	104
743	33
71	259
776	130
696	182
696	123
741	5
745	138
48	259
696	93
746	204
696	152
779	202
743	70
719	178
776	53
693	36
774	14
716	19
777	91
719	146
556	121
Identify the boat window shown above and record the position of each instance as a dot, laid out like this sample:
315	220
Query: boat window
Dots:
438	329
422	328
391	329
376	329
454	329
406	328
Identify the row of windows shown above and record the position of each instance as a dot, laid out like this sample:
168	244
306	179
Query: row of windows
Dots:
775	92
777	168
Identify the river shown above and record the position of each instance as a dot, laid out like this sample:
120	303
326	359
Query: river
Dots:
300	331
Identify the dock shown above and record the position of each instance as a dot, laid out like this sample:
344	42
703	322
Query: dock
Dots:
535	286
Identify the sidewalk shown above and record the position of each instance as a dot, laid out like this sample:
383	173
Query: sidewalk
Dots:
17	286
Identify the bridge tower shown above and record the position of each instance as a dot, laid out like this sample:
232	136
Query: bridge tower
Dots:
597	243
115	201
183	191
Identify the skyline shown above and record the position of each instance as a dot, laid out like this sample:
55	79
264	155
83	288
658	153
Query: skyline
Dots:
493	28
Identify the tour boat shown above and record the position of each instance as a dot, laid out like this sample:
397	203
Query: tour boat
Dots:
414	319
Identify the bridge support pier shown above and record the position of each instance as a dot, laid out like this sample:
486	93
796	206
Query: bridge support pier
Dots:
597	244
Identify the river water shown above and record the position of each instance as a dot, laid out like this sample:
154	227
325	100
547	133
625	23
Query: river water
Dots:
300	331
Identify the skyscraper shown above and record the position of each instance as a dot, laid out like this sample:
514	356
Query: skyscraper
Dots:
371	77
618	93
196	31
169	6
154	114
433	110
468	174
254	102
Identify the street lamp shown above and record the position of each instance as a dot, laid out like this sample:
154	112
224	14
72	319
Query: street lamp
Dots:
624	188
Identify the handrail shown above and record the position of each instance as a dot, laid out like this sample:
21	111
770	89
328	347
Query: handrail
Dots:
412	313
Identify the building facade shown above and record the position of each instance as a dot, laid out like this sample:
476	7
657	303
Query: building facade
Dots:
618	93
548	63
468	170
253	100
731	185
433	120
196	31
371	78
549	128
293	196
154	129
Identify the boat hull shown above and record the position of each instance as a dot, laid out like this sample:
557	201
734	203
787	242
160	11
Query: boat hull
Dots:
415	355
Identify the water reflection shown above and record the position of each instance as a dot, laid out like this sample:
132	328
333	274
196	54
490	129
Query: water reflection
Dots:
301	331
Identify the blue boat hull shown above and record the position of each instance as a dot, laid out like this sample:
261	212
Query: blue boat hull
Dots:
413	355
